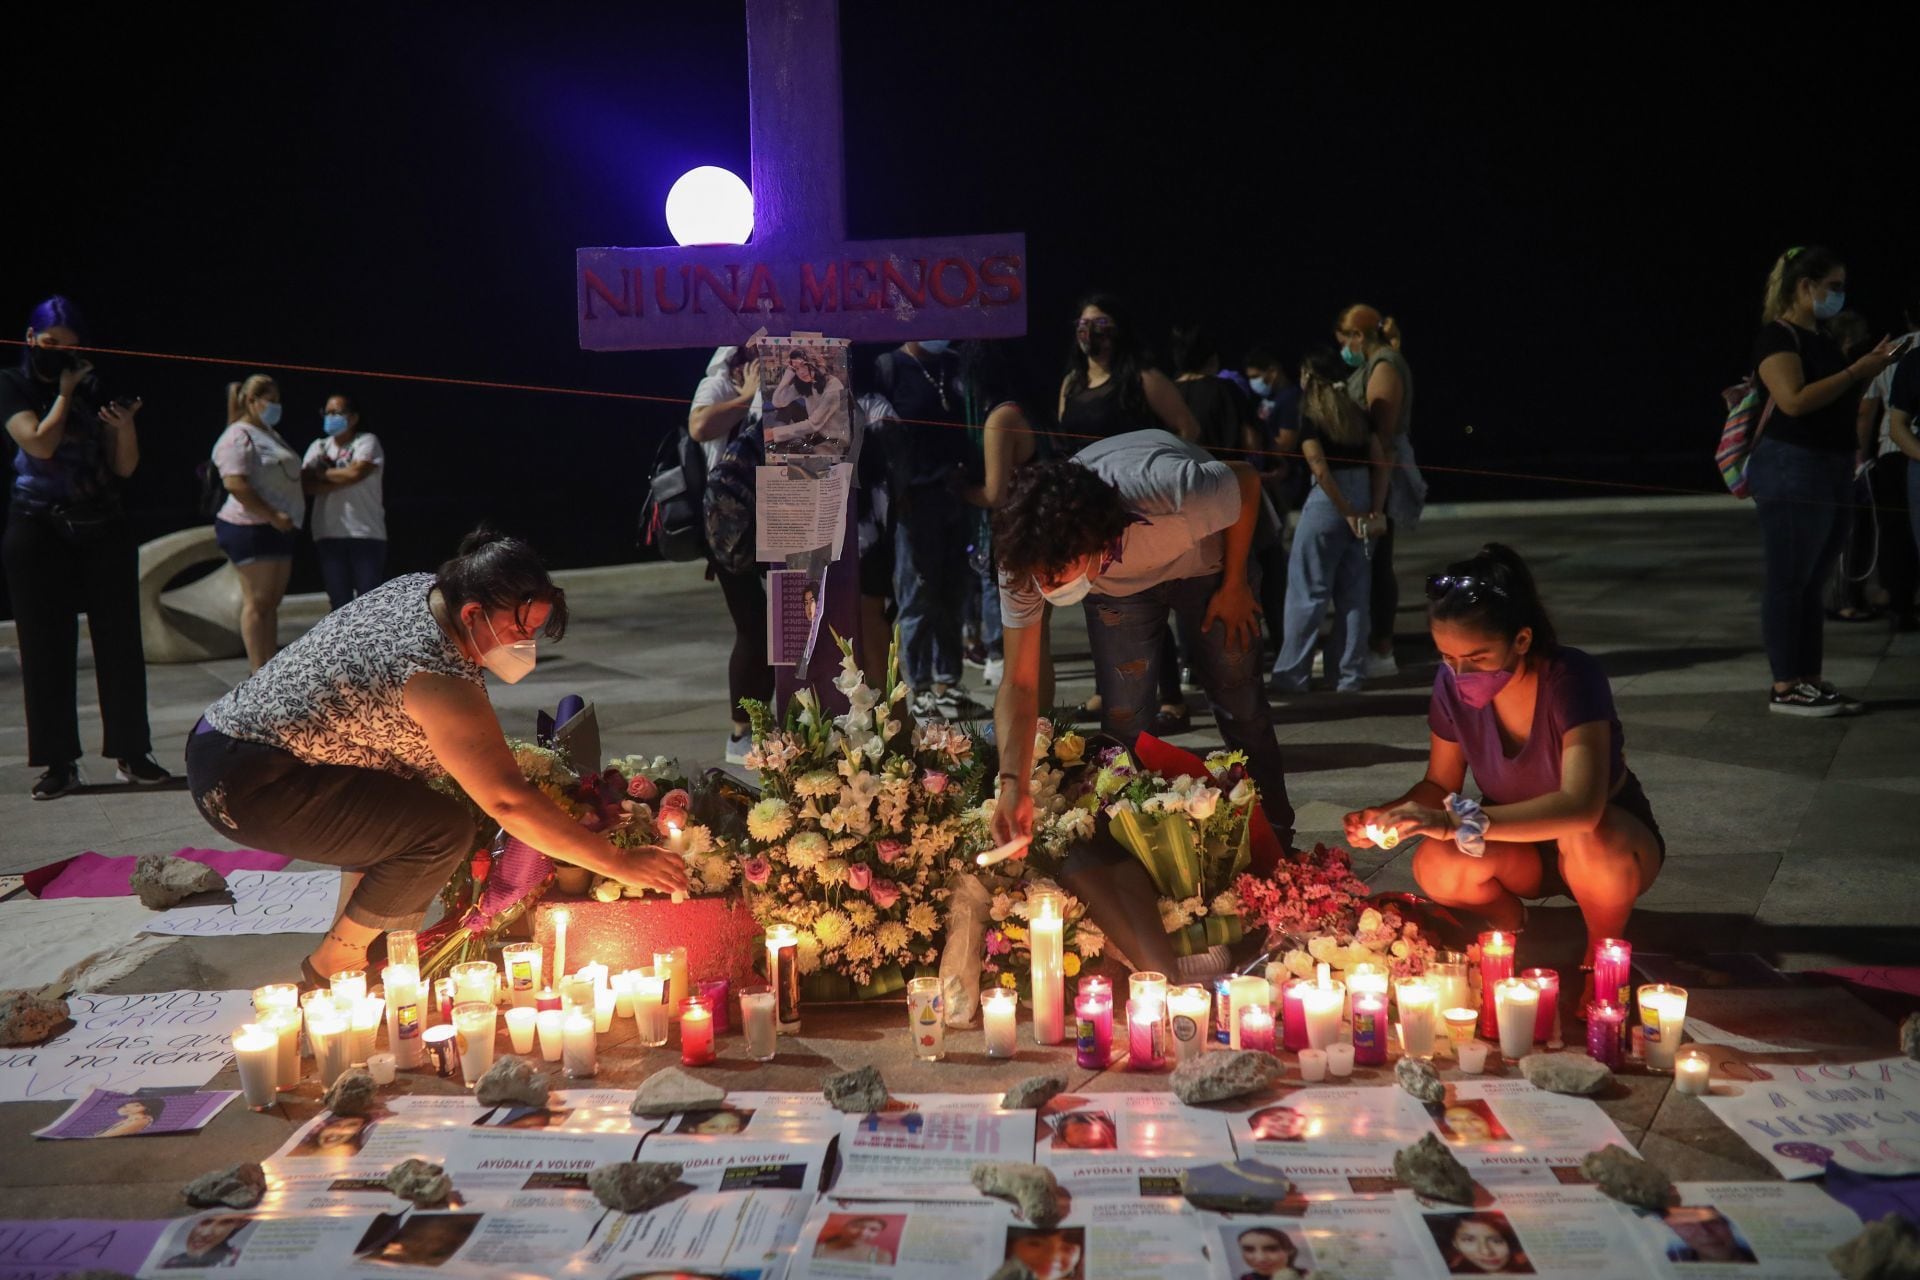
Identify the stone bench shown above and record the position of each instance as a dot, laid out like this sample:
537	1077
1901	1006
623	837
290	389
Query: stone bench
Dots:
197	622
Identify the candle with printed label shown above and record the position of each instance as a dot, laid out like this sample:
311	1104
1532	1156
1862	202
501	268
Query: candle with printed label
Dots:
1000	1017
405	1018
1369	1028
926	1018
437	1043
1461	1024
1663	1016
1093	1027
783	972
1613	978
523	973
1146	1035
1496	965
1191	1008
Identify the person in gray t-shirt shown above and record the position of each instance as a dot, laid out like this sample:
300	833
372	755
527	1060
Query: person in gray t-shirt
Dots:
1144	527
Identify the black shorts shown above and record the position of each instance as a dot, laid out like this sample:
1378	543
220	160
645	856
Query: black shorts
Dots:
1631	797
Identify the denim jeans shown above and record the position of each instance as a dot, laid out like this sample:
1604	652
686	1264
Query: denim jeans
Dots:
931	576
1127	635
350	566
1328	564
1800	494
993	633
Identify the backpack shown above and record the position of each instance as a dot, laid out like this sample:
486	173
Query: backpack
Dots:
673	517
213	489
1748	409
727	503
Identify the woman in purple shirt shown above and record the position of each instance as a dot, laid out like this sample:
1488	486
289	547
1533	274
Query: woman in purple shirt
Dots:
1534	721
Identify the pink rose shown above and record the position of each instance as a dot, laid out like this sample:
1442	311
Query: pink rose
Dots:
676	799
890	850
884	893
756	869
935	781
641	788
859	876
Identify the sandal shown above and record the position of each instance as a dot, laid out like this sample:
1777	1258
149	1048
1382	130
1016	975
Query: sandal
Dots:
1091	709
1169	721
310	977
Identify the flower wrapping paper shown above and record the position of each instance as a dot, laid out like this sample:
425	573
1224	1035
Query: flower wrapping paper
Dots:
720	934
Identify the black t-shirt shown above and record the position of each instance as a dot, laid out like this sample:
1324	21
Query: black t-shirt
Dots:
1338	455
1829	429
79	471
924	392
1904	395
1221	409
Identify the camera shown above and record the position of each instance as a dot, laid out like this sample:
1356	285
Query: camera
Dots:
96	392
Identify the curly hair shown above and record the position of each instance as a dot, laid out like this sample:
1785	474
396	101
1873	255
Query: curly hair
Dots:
1056	512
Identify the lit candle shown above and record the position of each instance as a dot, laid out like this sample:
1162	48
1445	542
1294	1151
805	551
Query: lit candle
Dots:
366	1025
1693	1073
1516	1009
474	1025
604	1004
331	1035
1369	978
438	1044
523	973
285	1024
1613	978
1146	1032
256	1049
623	992
717	995
550	1023
696	1030
1447	971
1244	992
1293	1013
1604	1020
348	986
650	1010
1547	983
926	1018
277	995
548	998
1322	1004
1663	1015
403	947
783	972
577	993
1093	1027
1496	963
559	944
1223	1009
1045	939
1000	1013
404	1015
1419	1003
1191	1007
1369	1028
580	1054
598	975
760	1011
1339	1061
474	982
382	1067
1461	1024
1256	1027
1313	1065
522	1023
678	987
1473	1057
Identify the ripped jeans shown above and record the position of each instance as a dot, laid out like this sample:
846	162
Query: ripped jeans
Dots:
1127	634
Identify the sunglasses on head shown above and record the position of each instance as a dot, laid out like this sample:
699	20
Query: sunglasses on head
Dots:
1442	585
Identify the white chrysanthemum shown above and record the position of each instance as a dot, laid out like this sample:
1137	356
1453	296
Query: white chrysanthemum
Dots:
716	872
1089	939
923	919
809	949
806	850
832	928
817	785
771	819
860	948
891	937
832	871
861	913
1075	824
1173	916
1227	904
699	841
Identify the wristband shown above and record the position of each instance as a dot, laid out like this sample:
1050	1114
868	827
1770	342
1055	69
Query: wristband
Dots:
1470	825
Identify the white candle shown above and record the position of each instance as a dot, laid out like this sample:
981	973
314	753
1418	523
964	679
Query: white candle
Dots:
474	982
366	1025
1418	1003
522	977
348	986
332	1038
285	1024
521	1026
405	1018
1473	1056
650	1010
559	944
1516	1008
1313	1065
580	1056
1192	1010
1693	1073
1322	1005
382	1067
1000	1012
474	1026
598	974
760	1010
677	985
276	995
623	984
1049	967
1339	1061
1244	992
604	1003
256	1049
1365	977
1663	1008
549	1023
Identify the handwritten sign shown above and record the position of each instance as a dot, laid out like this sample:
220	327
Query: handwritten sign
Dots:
263	902
43	1249
1860	1115
164	1039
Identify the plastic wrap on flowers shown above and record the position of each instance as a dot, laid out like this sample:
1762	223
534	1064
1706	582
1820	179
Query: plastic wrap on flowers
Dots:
512	881
1164	845
966	938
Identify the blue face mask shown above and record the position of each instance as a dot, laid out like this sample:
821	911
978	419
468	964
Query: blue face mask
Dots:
935	345
1260	386
270	415
1831	305
1353	358
334	423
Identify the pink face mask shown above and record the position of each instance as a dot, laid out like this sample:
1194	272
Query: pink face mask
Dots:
1477	689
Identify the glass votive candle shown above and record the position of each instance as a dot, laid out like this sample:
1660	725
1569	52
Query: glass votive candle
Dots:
437	1042
1693	1073
443	1001
522	960
256	1051
1256	1028
1461	1024
1369	1046
1000	1019
285	1023
1339	1061
474	982
1547	982
1447	971
1313	1065
1146	1035
1473	1056
1093	1027
1496	963
1293	1014
550	1024
1222	1009
926	1018
522	1023
547	998
718	995
1191	1007
475	1023
696	1031
760	1012
349	987
579	1050
1516	1009
650	1009
1419	1016
1323	1004
276	995
403	947
1663	1019
1604	1020
604	1003
1245	991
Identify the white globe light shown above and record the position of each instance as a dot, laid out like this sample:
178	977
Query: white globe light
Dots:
710	205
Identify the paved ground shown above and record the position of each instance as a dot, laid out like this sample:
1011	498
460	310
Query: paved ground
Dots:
1787	838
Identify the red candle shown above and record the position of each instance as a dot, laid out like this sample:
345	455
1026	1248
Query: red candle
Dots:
547	999
1613	976
1548	983
1369	1028
1256	1028
1146	1038
696	1032
1496	962
1293	1014
1606	1022
1093	1027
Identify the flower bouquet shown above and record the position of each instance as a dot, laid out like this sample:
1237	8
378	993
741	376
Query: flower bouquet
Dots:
1008	961
1317	909
637	802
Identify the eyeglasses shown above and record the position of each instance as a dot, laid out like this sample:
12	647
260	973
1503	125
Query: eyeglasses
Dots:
1442	585
1098	324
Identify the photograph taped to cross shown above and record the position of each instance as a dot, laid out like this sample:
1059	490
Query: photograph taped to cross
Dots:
805	409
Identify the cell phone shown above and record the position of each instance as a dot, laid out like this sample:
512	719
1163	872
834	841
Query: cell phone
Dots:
1903	346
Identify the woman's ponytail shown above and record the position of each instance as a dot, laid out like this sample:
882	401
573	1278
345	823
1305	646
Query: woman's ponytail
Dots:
1495	592
239	394
1811	262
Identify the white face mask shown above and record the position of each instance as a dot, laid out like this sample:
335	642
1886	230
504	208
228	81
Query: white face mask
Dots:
1072	591
511	662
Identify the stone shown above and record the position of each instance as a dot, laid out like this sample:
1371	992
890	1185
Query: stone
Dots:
353	1094
1910	1036
633	1186
1431	1170
26	1019
1240	1186
1216	1077
671	1090
161	880
857	1092
1033	1093
1030	1186
1013	1269
1627	1178
512	1080
1574	1073
240	1187
1888	1249
1418	1078
422	1182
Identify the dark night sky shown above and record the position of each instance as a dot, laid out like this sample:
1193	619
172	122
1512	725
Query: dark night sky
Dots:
1573	233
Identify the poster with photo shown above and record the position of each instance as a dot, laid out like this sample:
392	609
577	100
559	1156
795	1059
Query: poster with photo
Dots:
105	1114
1513	1117
796	601
1331	1123
1562	1233
1096	1127
491	1169
1769	1230
699	1234
805	411
1356	1239
925	1145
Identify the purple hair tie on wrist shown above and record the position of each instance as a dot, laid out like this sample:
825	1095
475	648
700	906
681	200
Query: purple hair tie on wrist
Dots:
1470	825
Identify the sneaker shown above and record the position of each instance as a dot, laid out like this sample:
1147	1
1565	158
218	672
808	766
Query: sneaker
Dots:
57	781
1849	705
146	771
1804	699
996	671
1187	680
975	653
925	705
1381	665
738	745
954	704
1319	663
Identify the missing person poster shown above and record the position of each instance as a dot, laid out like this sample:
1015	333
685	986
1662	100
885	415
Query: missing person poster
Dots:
926	1145
796	602
805	409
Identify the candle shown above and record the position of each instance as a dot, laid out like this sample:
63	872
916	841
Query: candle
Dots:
696	1029
1191	1007
1663	1015
1419	1003
474	982
522	1023
474	1025
1313	1065
1293	1013
256	1049
1547	982
366	1025
1048	985
604	1003
579	1053
1613	978
331	1035
1496	963
548	998
663	965
1366	977
783	972
1369	1045
1447	971
650	1010
382	1067
1461	1024
926	1018
1223	1009
1000	1014
623	992
1693	1073
1321	1005
550	1023
443	1000
1604	1020
348	986
717	995
760	1011
438	1044
523	973
1339	1061
679	987
599	975
1256	1027
1516	1009
559	944
285	1024
404	1020
277	995
577	993
1146	1035
1243	992
1093	1027
403	947
1473	1057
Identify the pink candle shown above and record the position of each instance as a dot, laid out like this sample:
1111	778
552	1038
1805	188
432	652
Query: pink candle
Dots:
1548	983
1496	962
1293	1014
1147	1035
546	999
1095	985
1613	977
1369	1028
696	1032
1256	1029
716	992
1605	1022
1093	1027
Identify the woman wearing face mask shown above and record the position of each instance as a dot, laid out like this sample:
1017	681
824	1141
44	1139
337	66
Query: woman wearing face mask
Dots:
328	752
1382	384
1534	721
343	470
265	504
67	548
1801	468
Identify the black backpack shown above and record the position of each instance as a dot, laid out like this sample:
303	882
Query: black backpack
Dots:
727	503
213	489
673	517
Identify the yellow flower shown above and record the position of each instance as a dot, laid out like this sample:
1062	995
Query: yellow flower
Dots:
1015	933
1008	980
1071	964
1069	747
